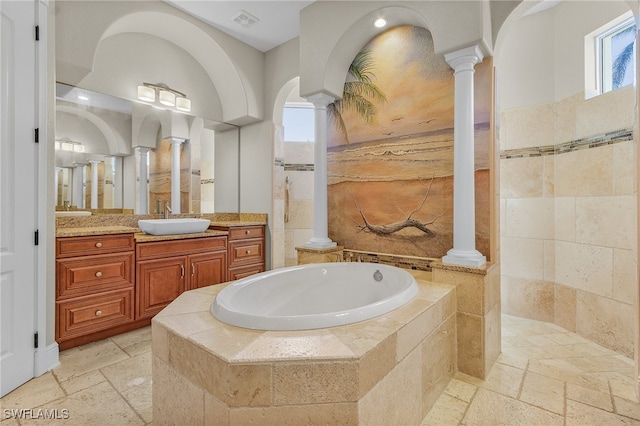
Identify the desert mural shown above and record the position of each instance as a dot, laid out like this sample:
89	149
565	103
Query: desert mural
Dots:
390	149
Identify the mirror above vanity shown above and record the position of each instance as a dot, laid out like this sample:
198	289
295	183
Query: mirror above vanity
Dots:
104	145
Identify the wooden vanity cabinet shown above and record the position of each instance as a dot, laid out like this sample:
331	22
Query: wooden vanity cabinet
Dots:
165	269
246	250
94	287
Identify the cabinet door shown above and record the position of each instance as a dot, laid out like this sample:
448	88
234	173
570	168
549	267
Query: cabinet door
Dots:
159	282
208	269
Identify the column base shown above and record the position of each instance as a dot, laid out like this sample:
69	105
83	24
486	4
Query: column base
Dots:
465	258
320	243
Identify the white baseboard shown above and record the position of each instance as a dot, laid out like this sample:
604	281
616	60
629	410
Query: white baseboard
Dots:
46	359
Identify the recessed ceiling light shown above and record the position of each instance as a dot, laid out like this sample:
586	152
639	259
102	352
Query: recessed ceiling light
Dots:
380	22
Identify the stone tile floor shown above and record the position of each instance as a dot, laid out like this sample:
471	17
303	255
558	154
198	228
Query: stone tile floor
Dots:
545	376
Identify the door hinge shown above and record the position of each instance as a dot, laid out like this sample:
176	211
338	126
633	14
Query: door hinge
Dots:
37	32
35	340
36	135
36	237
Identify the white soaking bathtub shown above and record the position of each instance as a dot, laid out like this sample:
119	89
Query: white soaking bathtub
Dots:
314	296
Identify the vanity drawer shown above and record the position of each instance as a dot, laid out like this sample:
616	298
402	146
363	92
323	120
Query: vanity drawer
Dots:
83	315
160	249
245	232
245	271
89	274
246	252
93	244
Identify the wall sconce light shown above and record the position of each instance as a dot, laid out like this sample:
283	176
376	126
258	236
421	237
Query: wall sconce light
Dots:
67	144
166	96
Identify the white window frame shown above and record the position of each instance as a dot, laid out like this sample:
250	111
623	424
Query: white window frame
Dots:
604	57
597	69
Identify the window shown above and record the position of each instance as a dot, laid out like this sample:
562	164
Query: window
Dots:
298	122
617	57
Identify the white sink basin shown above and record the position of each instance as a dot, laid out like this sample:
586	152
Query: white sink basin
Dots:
72	213
173	226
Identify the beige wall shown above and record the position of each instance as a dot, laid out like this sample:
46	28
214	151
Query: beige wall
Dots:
568	220
299	226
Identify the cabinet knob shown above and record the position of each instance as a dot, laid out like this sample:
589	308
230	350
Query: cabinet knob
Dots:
98	244
98	313
98	274
248	251
247	232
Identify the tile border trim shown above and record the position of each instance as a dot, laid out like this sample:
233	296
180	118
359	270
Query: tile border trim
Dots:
594	141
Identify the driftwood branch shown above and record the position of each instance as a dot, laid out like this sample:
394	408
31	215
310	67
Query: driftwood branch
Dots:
408	222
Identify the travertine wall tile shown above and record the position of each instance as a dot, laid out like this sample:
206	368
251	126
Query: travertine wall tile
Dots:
470	344
188	360
159	342
549	185
522	257
521	177
249	385
625	275
597	114
588	172
625	169
492	337
379	408
606	321
295	415
300	214
439	362
549	261
564	312
565	218
605	221
530	298
525	127
315	383
216	412
175	399
585	267
413	333
530	218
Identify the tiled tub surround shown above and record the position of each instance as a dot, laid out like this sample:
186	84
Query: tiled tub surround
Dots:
387	370
568	216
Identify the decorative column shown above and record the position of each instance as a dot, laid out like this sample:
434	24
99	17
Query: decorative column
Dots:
78	186
464	213
175	173
56	182
143	183
94	183
320	217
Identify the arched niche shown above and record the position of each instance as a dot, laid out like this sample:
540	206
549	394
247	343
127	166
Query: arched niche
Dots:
115	144
331	35
239	90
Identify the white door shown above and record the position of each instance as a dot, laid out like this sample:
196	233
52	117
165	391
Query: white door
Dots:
18	192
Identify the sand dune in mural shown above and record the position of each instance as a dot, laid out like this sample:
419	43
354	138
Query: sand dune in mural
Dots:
392	201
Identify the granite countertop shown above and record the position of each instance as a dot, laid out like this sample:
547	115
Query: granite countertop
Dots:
235	223
95	230
104	224
141	237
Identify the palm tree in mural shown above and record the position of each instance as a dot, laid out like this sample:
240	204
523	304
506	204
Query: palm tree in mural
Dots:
623	60
359	93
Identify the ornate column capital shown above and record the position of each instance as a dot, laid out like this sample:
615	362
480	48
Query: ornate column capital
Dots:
464	59
320	100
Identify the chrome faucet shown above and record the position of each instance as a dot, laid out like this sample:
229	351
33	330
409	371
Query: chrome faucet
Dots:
167	209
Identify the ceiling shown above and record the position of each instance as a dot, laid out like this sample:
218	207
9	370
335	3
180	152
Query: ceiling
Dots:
276	23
